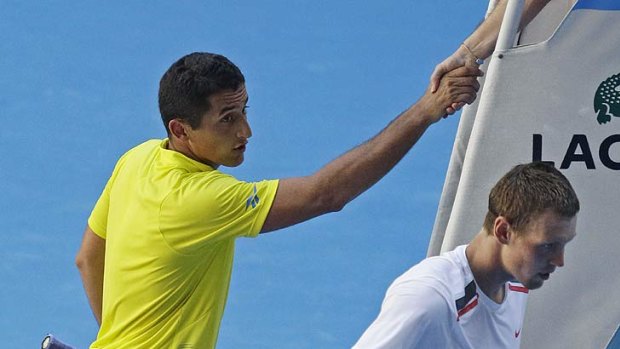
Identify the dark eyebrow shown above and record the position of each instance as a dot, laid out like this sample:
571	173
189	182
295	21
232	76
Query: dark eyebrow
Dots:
231	107
226	109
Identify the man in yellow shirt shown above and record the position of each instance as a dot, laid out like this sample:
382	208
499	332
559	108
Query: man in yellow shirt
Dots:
156	256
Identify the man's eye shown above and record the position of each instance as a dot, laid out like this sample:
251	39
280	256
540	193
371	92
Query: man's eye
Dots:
548	246
227	118
245	109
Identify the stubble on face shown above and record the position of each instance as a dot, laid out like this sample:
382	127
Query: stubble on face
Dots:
539	248
223	133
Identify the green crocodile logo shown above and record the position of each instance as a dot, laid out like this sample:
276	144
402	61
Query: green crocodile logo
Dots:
607	99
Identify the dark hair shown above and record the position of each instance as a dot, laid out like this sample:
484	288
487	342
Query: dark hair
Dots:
528	190
185	88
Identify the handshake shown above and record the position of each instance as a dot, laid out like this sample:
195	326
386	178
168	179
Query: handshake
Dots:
454	83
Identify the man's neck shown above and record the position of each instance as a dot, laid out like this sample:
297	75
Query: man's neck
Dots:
182	148
483	256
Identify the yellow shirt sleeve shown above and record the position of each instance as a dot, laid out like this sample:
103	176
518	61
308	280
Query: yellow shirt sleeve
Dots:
98	220
209	207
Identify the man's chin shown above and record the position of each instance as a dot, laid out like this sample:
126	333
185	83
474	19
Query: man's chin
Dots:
234	163
534	283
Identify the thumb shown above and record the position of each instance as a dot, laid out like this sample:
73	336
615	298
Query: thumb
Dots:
439	71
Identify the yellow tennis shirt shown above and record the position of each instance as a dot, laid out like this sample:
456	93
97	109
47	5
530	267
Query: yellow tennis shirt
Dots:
170	225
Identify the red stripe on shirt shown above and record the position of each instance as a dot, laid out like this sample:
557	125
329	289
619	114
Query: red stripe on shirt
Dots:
468	307
518	288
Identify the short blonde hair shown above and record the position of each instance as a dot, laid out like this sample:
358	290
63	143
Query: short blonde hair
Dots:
526	191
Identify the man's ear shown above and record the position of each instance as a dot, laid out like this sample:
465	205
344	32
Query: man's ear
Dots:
178	129
501	230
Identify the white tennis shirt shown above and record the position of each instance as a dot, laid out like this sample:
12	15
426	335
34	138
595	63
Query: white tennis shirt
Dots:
437	304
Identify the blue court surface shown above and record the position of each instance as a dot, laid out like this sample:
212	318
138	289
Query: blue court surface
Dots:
79	87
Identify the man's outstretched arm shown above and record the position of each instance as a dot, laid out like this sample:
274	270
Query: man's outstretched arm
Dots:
343	179
90	260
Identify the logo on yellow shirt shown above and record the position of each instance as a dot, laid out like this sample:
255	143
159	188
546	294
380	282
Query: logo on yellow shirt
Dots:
252	200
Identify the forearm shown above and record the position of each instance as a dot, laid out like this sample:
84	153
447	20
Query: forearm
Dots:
482	41
352	173
357	170
90	261
92	280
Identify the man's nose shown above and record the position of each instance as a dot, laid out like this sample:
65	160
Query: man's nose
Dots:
558	259
245	131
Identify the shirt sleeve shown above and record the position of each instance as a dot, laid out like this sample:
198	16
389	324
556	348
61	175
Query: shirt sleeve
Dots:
98	219
412	318
212	207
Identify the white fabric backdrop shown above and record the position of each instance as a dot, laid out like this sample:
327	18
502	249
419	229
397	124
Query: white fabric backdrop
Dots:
548	89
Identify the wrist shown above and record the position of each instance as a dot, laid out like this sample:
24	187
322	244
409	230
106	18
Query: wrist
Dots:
472	54
422	113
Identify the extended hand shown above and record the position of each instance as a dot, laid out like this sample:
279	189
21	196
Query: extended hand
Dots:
457	87
461	57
